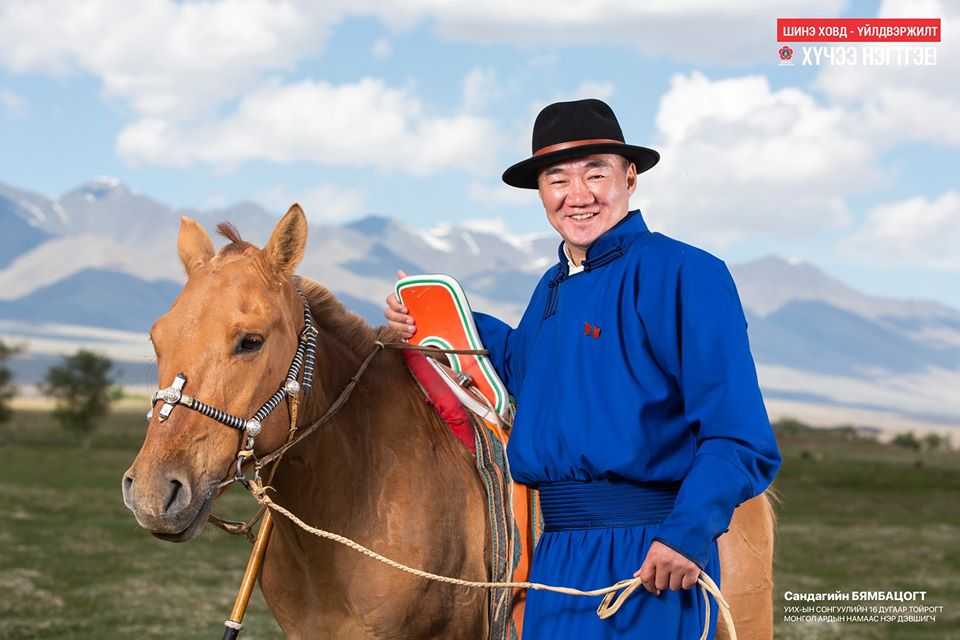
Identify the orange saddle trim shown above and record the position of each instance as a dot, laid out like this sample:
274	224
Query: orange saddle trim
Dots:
444	319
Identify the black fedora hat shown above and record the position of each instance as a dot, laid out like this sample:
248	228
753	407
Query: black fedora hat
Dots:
565	130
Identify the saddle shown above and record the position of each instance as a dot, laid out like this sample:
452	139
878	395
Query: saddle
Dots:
475	404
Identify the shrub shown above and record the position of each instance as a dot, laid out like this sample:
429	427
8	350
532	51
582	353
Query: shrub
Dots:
7	389
906	440
81	386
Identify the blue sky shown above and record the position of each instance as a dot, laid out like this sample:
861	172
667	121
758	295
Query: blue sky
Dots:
414	109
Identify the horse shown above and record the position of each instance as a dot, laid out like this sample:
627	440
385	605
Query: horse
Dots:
384	471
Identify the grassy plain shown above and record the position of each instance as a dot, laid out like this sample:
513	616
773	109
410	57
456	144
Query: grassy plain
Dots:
855	515
74	564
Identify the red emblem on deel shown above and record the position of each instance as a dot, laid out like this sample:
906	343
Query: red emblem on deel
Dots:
590	330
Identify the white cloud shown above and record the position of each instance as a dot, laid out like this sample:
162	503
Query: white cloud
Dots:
739	159
174	60
366	123
166	58
323	204
900	103
479	89
382	49
13	103
915	232
694	30
195	74
501	194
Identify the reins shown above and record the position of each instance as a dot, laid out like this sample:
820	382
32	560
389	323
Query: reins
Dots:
341	399
614	596
611	603
246	528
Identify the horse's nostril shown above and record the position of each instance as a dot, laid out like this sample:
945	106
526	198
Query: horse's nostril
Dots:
179	497
174	492
126	486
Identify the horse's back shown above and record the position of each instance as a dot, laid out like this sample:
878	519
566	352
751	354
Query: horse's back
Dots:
746	569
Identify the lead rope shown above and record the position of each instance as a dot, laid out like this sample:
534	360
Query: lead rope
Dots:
611	602
608	607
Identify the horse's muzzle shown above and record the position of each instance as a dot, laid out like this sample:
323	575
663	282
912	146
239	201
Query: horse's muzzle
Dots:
167	506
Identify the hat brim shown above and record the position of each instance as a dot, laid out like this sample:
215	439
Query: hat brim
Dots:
524	174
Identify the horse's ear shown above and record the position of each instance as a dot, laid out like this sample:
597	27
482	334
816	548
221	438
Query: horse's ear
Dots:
193	245
285	249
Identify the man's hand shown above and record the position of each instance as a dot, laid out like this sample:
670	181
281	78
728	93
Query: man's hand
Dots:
664	567
397	314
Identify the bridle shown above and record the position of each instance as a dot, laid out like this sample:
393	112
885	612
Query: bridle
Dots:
304	358
292	390
292	387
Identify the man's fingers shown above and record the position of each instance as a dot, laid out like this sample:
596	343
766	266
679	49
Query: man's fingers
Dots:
676	580
662	580
647	575
394	304
399	318
690	580
397	314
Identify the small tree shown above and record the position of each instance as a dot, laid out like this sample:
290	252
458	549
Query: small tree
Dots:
906	440
81	386
7	390
935	442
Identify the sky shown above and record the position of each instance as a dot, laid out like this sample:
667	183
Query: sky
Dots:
414	109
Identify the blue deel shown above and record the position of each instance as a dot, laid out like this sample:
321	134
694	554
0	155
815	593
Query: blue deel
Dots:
638	368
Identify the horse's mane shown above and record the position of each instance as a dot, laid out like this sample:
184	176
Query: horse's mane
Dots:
237	244
330	314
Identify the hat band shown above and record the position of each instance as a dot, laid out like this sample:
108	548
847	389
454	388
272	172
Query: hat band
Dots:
560	146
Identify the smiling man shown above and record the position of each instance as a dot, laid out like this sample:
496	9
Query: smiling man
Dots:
639	417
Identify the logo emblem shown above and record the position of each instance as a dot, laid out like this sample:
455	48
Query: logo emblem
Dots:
786	56
591	330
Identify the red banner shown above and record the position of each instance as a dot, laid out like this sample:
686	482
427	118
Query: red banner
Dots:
858	29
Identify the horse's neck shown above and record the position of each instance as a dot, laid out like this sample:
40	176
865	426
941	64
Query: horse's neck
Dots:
370	417
335	366
368	422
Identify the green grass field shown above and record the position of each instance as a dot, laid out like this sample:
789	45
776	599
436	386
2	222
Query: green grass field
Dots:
75	564
855	515
861	516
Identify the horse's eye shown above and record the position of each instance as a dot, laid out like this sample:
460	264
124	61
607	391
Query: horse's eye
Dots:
250	343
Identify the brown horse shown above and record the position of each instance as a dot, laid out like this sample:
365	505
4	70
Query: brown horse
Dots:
385	471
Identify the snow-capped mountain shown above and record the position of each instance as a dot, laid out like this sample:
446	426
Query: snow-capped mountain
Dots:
97	265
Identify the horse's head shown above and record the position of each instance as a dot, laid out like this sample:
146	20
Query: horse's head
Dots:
232	332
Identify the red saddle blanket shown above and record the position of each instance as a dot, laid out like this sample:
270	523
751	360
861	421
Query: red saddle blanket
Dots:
514	530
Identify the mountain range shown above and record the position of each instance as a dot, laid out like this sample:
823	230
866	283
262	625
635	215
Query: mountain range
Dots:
97	265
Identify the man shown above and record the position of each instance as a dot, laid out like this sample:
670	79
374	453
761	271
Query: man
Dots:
639	417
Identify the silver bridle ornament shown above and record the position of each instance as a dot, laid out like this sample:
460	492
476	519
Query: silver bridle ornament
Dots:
303	358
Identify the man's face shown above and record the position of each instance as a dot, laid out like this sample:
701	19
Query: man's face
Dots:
585	197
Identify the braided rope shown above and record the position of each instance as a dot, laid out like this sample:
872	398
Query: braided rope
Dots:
606	609
270	404
218	415
304	357
311	344
310	356
297	361
330	412
611	602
